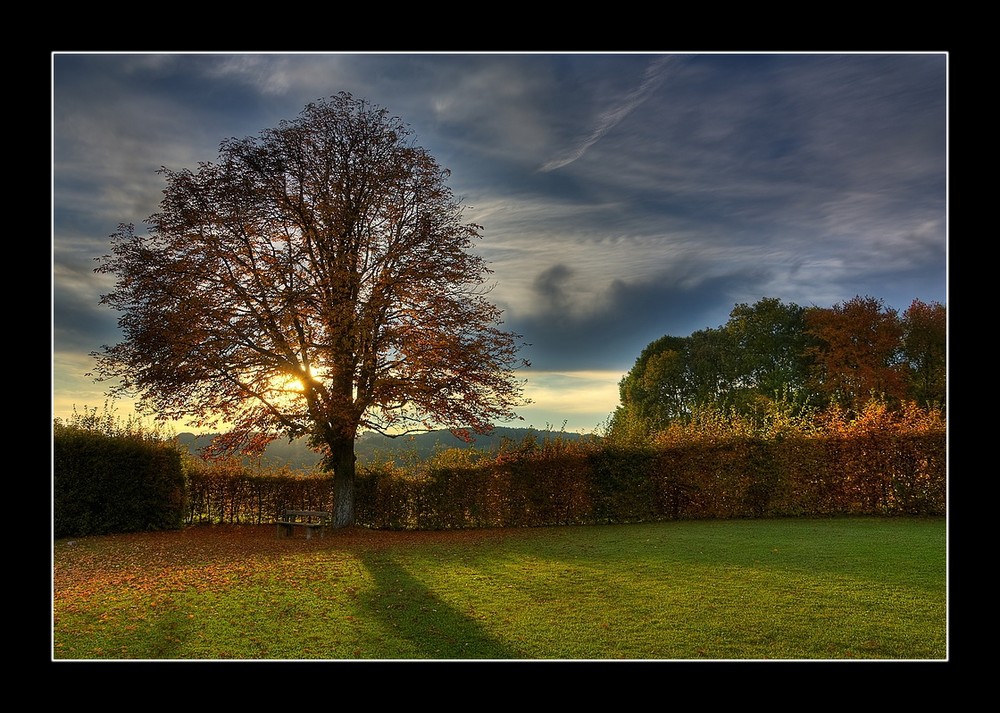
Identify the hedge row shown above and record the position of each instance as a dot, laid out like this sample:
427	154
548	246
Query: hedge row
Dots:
104	484
229	492
561	482
741	478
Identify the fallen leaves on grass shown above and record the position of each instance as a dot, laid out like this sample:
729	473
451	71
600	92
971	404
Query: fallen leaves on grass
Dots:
208	558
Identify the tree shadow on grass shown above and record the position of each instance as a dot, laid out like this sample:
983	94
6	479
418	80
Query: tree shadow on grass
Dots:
432	628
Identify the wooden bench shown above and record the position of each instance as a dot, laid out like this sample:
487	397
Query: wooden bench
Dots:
309	520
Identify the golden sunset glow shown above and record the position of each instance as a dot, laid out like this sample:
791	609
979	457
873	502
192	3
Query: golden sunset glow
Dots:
289	386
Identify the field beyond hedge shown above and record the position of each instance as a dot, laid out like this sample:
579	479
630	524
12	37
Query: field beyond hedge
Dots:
838	588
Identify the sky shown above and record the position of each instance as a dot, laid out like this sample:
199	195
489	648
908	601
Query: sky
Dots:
623	196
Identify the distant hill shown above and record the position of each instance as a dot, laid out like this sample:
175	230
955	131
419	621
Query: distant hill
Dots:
371	446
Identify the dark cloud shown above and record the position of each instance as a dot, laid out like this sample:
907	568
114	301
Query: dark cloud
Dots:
79	322
78	328
627	318
550	289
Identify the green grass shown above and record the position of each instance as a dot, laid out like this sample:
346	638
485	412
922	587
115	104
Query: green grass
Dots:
765	589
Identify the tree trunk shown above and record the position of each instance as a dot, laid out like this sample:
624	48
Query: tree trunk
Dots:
343	460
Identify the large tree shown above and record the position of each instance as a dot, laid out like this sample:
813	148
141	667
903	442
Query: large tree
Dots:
317	279
754	360
655	391
857	353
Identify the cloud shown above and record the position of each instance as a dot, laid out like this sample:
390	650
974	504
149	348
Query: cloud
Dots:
652	78
550	286
625	317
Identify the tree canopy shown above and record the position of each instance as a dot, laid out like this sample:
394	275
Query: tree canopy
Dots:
772	356
316	279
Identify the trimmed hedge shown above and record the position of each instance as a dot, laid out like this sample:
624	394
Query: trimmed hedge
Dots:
110	477
104	485
744	477
565	483
230	492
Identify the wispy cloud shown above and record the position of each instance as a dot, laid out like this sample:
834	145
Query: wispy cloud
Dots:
652	78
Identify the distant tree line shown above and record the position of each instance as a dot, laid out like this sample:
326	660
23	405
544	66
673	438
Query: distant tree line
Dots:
780	358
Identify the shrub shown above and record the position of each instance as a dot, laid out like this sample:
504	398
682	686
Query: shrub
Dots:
119	482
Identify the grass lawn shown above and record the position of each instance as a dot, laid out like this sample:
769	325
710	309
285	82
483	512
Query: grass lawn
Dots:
748	589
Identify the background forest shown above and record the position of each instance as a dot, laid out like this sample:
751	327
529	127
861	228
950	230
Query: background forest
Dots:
773	361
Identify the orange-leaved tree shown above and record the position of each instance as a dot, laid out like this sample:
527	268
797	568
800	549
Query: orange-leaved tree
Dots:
857	353
316	280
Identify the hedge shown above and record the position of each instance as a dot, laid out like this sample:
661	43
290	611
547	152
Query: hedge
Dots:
858	470
104	485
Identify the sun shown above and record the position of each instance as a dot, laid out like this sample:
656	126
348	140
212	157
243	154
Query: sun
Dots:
288	387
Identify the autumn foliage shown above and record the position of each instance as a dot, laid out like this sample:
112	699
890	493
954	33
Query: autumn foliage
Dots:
772	358
316	280
857	353
878	462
